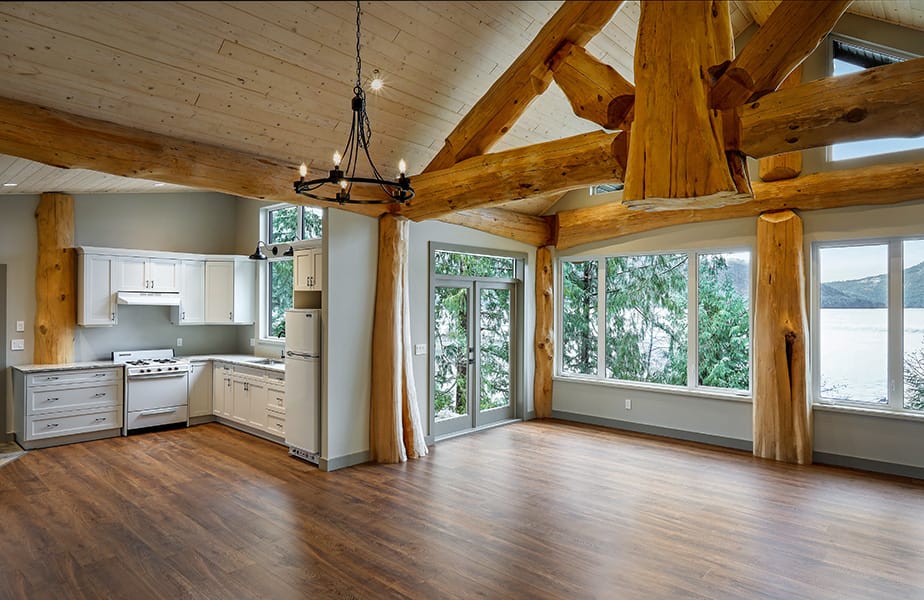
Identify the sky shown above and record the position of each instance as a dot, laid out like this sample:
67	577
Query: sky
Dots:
856	262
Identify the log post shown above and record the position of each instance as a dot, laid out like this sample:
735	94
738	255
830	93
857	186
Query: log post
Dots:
55	281
395	432
545	333
677	147
596	91
782	413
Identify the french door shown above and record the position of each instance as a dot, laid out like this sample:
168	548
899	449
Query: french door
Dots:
473	354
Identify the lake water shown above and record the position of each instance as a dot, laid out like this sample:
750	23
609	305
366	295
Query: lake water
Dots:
854	351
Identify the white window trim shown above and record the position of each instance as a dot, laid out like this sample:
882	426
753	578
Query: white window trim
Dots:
692	387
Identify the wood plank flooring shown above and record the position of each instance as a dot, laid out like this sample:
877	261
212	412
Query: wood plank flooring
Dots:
531	510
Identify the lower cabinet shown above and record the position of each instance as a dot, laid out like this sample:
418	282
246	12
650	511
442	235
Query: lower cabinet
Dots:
254	398
200	389
56	406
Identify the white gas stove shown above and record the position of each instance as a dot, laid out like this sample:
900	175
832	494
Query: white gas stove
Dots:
156	388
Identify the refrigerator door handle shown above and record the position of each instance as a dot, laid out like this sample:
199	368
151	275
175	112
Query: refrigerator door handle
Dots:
293	354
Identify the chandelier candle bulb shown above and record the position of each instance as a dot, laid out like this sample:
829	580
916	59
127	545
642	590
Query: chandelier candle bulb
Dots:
402	167
303	170
337	159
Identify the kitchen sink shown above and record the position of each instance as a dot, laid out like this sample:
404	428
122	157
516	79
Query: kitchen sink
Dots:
268	361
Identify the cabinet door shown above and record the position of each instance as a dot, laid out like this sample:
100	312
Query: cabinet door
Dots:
130	274
256	415
219	291
303	271
240	400
200	389
317	260
95	298
192	292
162	275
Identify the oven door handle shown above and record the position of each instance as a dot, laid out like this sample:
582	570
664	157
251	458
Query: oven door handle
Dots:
157	411
158	375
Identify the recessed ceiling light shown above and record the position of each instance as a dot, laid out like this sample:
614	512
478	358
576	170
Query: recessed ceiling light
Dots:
10	184
376	84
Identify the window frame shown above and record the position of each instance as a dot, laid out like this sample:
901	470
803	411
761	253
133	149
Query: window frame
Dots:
895	360
692	386
264	307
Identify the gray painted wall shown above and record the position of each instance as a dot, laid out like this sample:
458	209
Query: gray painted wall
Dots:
179	222
865	440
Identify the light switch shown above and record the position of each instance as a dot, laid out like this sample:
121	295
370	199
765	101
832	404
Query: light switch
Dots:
17	344
20	326
420	349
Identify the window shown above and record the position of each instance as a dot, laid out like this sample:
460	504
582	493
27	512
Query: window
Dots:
606	188
284	224
851	57
869	304
641	304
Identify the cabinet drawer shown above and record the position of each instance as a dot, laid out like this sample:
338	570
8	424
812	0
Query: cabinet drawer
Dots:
66	378
55	399
275	423
160	416
41	427
276	399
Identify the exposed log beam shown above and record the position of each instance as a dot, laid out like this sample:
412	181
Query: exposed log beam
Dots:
528	229
788	164
761	9
596	91
55	281
885	101
782	412
885	184
677	153
544	338
529	75
556	166
790	34
70	141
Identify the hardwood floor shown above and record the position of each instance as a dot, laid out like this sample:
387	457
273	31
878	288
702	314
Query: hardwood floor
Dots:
531	510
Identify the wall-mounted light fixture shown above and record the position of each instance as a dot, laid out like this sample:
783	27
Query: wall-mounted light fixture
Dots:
275	250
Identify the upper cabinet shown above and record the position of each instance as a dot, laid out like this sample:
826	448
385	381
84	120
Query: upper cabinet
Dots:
141	274
309	267
95	292
229	291
192	293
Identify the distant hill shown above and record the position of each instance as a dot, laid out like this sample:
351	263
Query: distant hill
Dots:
872	292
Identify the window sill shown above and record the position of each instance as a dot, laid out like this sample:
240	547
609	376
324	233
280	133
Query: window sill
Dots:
272	342
870	412
658	389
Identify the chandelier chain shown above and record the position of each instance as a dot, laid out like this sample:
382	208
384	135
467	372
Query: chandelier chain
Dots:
365	126
359	61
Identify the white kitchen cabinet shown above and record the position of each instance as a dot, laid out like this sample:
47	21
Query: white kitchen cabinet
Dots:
249	401
60	406
192	293
222	392
229	292
146	274
200	389
95	293
309	267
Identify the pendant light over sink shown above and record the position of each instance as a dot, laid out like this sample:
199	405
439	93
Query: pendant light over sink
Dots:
338	185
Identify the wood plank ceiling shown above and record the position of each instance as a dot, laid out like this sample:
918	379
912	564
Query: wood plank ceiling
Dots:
274	78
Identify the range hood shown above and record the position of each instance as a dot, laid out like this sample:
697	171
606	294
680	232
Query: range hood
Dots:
149	298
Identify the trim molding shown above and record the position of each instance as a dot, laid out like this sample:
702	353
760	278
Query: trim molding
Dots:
8	437
865	464
530	415
680	434
342	462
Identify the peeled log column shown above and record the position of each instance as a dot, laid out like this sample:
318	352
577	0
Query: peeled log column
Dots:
789	164
545	333
782	414
55	281
394	422
677	147
596	91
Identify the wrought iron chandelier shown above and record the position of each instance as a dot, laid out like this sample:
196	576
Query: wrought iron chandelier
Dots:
343	179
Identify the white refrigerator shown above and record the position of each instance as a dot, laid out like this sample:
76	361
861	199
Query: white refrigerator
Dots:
303	383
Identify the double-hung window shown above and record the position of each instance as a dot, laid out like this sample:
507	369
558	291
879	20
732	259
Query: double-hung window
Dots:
868	312
283	224
628	318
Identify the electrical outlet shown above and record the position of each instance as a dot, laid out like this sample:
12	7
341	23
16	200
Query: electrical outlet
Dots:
20	326
17	344
628	403
179	342
420	349
253	342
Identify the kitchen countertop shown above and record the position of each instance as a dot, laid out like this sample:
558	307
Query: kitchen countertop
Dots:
238	359
93	364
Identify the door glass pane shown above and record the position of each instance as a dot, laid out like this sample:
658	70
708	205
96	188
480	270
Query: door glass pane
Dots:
450	352
283	225
472	265
312	224
913	285
724	320
280	285
579	317
853	325
494	347
646	318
